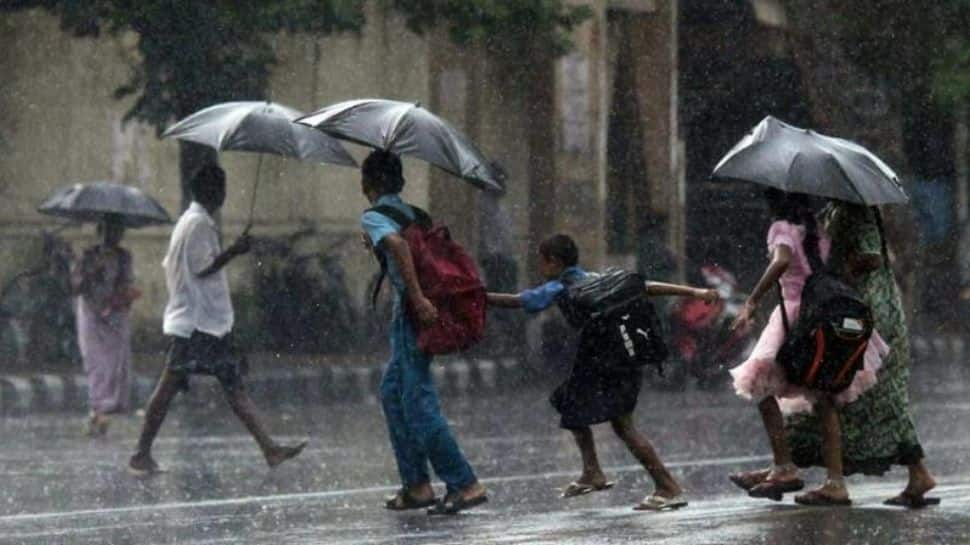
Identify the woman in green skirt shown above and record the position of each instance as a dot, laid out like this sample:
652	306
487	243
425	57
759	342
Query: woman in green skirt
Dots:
877	429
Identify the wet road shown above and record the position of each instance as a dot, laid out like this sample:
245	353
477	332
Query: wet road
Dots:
59	487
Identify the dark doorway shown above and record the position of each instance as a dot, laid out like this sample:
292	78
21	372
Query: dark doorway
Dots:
733	72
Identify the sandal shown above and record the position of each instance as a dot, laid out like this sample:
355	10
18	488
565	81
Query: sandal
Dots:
453	503
776	490
577	488
404	501
747	480
910	501
654	502
819	498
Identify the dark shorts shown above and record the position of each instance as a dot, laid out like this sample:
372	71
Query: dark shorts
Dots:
204	354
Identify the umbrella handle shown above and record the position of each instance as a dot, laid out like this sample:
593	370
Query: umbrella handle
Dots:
252	199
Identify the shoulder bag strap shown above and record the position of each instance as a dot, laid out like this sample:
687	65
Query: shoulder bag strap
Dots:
784	311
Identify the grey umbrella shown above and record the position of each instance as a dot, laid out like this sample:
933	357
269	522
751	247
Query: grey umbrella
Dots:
260	127
92	202
406	128
802	161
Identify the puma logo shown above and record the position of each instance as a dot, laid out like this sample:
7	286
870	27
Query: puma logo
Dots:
642	332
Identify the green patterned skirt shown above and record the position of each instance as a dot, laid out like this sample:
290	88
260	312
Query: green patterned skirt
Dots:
877	429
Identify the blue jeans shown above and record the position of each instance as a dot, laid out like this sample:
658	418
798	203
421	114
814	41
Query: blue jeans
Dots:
419	433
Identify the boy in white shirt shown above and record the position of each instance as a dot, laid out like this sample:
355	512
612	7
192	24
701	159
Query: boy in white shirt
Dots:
199	319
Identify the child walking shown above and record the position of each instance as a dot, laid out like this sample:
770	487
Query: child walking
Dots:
796	248
594	392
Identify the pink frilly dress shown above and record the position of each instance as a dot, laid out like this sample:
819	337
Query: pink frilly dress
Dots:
759	376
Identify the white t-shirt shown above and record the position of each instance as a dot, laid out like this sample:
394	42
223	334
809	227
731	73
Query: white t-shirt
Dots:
195	303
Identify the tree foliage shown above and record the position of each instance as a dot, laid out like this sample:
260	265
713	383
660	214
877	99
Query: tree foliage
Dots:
514	29
194	53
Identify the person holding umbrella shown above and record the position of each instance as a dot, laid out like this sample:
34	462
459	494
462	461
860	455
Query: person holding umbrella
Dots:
199	320
860	252
877	430
796	250
419	432
102	280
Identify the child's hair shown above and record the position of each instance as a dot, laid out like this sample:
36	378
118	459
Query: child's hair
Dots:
207	182
561	247
797	208
382	172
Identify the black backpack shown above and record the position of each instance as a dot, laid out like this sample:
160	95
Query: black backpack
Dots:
612	311
826	347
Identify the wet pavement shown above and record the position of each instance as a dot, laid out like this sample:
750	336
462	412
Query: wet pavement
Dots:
60	487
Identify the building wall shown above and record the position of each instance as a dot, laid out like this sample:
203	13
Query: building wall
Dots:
60	125
547	129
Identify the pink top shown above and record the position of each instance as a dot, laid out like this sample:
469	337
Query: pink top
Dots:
789	234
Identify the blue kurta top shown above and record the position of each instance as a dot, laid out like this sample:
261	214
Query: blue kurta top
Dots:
543	296
378	226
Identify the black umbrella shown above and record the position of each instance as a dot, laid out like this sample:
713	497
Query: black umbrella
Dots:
802	161
92	202
406	128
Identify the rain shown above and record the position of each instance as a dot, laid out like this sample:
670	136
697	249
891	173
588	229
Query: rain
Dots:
485	271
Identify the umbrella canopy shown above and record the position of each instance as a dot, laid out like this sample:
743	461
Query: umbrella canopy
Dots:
802	161
261	127
406	129
92	202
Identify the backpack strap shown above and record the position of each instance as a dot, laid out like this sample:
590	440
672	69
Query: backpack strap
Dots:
395	214
784	311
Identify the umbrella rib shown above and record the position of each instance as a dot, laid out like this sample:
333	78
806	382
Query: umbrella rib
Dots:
394	133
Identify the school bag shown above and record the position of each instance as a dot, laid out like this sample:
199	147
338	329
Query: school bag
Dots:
826	347
448	277
613	310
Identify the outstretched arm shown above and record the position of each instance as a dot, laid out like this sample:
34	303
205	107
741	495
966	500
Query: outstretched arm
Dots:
398	249
504	300
660	289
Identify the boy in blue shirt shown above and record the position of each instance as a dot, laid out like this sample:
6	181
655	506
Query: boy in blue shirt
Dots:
594	393
419	432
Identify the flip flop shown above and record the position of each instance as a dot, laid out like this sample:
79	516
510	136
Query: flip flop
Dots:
403	501
747	480
817	498
660	503
910	501
452	504
576	488
775	490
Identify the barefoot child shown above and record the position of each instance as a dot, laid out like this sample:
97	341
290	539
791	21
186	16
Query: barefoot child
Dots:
594	393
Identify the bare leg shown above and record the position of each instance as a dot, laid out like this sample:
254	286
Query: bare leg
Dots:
665	484
155	414
245	410
920	482
592	472
828	419
775	427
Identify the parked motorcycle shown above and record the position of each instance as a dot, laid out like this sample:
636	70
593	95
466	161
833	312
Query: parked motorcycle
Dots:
702	343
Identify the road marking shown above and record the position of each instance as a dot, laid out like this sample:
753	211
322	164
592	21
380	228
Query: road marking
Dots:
290	498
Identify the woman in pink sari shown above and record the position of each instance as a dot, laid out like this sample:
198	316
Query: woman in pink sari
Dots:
102	280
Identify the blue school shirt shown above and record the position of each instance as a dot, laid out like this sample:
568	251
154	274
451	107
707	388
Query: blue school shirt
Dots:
378	226
542	297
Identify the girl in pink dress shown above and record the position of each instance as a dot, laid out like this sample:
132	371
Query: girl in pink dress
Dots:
792	234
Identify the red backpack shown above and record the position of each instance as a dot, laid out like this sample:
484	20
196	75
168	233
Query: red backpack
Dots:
448	277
